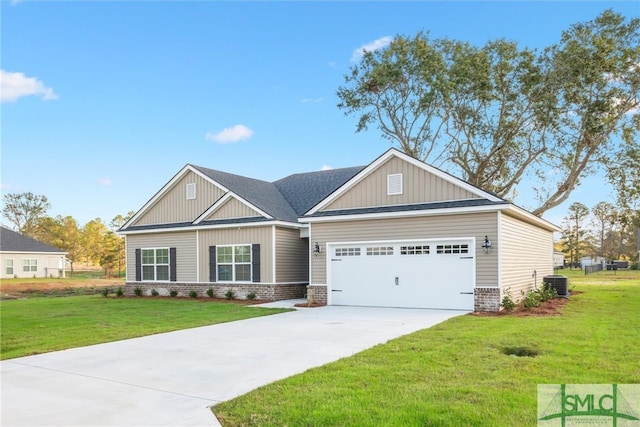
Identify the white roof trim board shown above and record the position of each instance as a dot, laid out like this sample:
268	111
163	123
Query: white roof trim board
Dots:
383	159
284	224
166	188
509	209
223	200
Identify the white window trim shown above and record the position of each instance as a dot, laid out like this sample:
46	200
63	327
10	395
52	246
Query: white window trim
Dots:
30	265
191	191
7	266
234	263
394	184
155	265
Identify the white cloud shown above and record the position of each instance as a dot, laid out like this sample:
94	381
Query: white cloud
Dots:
311	100
326	168
105	182
17	85
228	135
618	101
371	47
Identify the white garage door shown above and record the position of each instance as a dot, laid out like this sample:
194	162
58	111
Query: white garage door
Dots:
425	274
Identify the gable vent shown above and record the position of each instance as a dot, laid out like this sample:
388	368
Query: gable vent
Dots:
394	184
191	191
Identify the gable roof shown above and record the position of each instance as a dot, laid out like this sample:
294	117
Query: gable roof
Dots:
392	152
262	194
284	200
10	241
300	198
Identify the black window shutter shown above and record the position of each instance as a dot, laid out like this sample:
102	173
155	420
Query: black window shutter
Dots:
255	262
212	264
172	264
138	265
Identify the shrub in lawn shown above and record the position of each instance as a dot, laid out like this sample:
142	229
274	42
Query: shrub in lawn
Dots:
532	299
229	294
193	294
634	266
105	292
173	293
548	292
251	295
154	293
119	292
211	293
507	302
138	292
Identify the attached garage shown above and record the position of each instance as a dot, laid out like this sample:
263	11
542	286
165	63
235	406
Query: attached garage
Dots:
437	274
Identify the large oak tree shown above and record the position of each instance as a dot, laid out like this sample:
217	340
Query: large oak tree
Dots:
498	113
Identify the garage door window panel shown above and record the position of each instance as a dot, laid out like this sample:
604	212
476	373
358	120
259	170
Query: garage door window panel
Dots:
347	252
452	249
380	250
414	250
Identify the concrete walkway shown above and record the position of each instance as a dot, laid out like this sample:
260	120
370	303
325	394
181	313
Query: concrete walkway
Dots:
172	379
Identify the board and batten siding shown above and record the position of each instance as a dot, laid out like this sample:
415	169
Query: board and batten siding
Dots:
237	236
419	186
184	242
292	256
233	208
428	227
174	206
525	248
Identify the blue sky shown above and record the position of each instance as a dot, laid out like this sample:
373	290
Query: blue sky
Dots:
103	102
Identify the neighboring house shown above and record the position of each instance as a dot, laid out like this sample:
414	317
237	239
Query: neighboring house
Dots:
22	256
589	261
396	233
558	259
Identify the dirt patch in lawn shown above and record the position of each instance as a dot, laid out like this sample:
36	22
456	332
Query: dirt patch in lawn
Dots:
26	289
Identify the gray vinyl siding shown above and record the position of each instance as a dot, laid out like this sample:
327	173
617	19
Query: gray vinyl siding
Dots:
174	206
462	225
233	209
184	242
419	186
237	236
525	249
292	256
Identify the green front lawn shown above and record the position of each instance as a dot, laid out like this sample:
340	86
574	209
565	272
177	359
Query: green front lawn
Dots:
456	374
40	325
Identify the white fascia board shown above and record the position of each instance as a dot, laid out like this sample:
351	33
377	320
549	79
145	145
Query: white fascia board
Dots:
383	159
404	214
224	199
33	253
214	226
167	187
527	216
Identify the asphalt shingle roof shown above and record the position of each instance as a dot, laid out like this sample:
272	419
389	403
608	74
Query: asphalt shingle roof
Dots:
288	198
10	241
414	207
305	190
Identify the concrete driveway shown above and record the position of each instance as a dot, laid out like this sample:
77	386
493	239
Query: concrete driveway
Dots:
172	379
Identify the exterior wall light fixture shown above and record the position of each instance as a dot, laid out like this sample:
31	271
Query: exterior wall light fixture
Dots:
486	245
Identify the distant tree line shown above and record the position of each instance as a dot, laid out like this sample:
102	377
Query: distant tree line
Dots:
95	243
604	230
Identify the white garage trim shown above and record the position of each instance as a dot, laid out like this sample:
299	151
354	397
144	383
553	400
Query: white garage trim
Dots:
466	276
